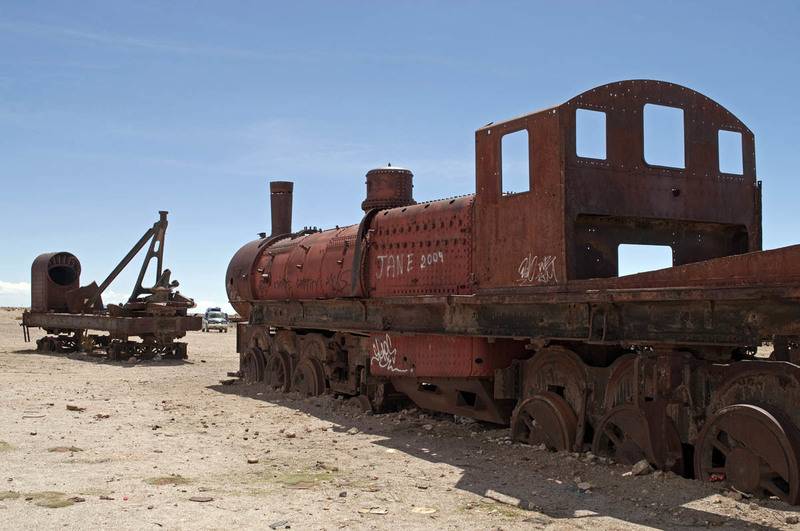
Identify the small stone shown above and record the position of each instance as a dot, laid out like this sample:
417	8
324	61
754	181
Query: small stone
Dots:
343	494
289	434
201	499
71	407
77	499
584	485
427	427
641	468
252	460
352	431
132	360
734	495
792	519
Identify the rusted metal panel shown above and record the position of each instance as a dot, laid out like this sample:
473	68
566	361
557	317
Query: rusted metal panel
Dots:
519	238
441	356
459	396
423	249
725	316
52	276
699	211
175	326
306	266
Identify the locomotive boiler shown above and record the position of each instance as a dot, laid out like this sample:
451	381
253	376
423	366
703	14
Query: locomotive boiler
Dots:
508	307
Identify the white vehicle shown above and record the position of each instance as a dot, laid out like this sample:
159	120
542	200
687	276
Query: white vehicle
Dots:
215	319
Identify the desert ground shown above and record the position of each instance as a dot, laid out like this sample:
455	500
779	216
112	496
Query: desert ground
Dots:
86	443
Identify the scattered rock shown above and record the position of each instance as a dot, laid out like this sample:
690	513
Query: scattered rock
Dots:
792	519
289	434
734	495
104	497
201	499
352	431
373	510
252	460
423	510
64	449
343	494
132	360
584	485
641	468
427	427
71	407
280	524
77	499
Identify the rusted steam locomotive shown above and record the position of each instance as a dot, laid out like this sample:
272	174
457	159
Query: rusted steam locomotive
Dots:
508	307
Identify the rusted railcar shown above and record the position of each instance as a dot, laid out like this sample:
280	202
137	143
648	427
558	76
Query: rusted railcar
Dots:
68	312
509	307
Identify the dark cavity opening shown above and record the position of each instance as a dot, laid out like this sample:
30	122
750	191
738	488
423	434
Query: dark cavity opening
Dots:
466	399
62	275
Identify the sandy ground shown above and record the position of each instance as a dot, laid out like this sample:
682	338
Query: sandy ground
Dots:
164	445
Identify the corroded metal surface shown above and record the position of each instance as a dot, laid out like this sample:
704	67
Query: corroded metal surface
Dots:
52	276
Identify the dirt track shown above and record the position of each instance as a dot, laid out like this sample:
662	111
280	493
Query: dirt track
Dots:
153	436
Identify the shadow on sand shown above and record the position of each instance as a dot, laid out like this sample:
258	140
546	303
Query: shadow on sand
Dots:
521	476
99	357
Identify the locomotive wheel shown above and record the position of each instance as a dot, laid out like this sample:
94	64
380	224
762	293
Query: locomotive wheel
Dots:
117	350
253	366
623	435
620	388
313	346
556	368
547	419
45	344
308	378
276	372
751	448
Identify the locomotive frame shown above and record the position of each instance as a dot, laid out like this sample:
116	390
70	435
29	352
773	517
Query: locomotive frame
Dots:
509	308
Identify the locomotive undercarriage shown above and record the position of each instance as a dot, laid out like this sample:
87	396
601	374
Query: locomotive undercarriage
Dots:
681	408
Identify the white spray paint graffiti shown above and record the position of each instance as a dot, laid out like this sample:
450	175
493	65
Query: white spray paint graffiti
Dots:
385	355
534	268
397	265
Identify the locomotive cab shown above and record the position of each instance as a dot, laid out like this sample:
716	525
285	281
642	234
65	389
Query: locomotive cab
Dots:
579	208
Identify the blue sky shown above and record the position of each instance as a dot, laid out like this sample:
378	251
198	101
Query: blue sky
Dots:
110	111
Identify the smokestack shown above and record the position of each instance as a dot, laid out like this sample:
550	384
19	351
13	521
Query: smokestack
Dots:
280	196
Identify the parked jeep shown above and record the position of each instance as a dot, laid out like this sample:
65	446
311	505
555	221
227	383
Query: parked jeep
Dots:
215	319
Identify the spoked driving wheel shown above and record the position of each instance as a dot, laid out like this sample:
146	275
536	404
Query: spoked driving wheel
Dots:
547	419
276	372
751	448
308	378
252	366
623	435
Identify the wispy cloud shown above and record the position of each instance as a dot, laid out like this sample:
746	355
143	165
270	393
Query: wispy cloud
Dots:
125	41
312	55
14	288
